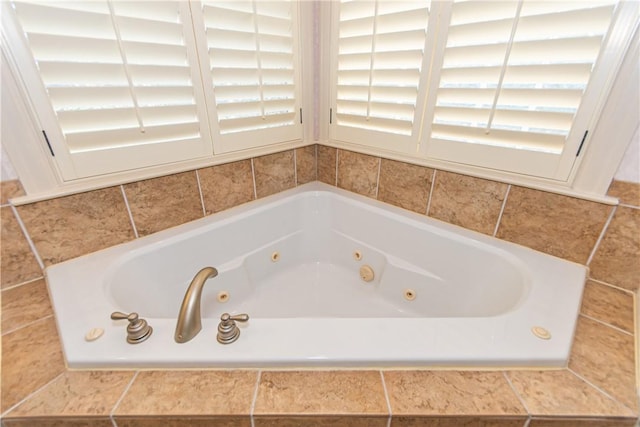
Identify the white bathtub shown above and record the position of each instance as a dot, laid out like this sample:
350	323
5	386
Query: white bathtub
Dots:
476	298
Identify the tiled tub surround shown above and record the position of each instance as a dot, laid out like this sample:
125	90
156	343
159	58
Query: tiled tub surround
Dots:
597	388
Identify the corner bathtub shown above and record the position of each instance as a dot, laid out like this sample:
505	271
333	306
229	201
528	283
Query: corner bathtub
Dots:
441	295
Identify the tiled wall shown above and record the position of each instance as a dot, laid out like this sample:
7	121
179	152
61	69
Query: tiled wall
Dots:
600	379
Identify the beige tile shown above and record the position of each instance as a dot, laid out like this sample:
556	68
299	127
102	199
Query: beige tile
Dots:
617	258
358	172
405	185
160	203
558	225
274	173
609	305
306	164
59	422
321	392
457	422
189	393
225	186
582	422
9	190
442	393
151	421
466	201
25	304
327	164
17	262
605	357
79	393
627	192
320	421
71	226
31	357
561	393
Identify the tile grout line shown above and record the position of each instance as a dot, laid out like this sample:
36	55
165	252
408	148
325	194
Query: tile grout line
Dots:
378	177
17	285
582	378
636	352
32	245
126	203
316	162
618	288
433	184
295	167
603	323
253	176
520	399
204	211
386	397
255	398
33	393
626	205
601	236
112	413
504	205
336	180
26	325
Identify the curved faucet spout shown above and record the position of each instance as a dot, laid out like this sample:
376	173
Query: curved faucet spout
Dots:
189	319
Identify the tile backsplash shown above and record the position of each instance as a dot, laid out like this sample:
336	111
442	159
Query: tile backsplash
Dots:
605	238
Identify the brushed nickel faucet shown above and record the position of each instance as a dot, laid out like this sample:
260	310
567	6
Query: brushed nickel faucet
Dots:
189	318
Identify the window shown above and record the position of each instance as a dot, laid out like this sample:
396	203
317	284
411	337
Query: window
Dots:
134	84
508	85
252	53
380	70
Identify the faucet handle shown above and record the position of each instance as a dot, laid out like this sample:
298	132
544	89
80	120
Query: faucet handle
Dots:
238	317
138	329
228	331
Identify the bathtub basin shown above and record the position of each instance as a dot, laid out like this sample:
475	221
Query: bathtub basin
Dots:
439	295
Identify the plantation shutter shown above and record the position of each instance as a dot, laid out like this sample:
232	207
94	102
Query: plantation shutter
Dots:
120	81
513	77
379	72
250	53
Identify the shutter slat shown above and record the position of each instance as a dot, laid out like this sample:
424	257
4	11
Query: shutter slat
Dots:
112	118
104	139
379	124
245	124
522	120
551	98
500	138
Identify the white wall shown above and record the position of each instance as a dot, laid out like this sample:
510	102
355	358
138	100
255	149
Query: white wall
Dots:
7	173
629	169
